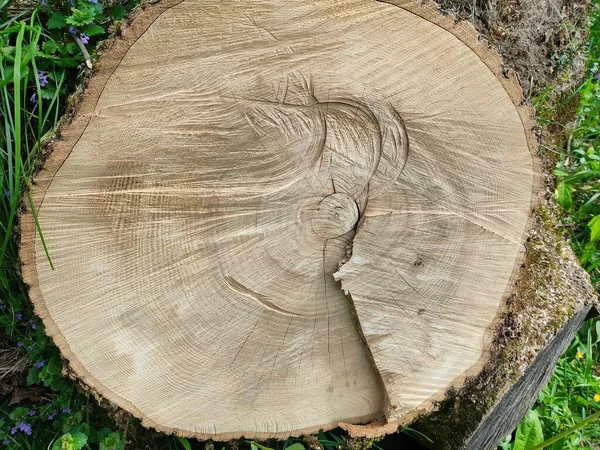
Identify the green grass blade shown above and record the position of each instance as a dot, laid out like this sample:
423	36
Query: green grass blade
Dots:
39	229
568	432
15	166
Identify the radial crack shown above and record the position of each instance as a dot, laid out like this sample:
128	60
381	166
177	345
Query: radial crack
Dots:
239	288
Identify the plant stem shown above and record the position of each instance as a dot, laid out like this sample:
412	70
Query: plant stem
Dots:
86	54
565	433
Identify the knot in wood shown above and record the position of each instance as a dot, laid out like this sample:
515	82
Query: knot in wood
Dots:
334	216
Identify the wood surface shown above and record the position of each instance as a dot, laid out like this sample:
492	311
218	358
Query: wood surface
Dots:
268	218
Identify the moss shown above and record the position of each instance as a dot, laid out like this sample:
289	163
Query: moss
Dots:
359	443
313	443
114	30
556	116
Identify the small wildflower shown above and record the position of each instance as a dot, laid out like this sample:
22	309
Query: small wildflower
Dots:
3	307
40	364
93	1
579	355
33	98
19	316
20	344
7	193
597	76
34	325
13	430
25	428
84	39
44	2
53	415
72	30
32	412
67	410
43	78
597	398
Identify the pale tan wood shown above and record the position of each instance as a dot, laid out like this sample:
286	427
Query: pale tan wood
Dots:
235	168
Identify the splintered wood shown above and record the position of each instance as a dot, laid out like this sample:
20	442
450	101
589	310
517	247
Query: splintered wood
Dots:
272	217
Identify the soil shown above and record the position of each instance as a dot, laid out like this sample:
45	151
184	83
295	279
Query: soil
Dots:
539	39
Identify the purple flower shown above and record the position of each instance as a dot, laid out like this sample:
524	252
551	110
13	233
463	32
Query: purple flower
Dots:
32	412
85	39
67	410
13	430
53	415
33	98
40	364
19	316
44	2
3	307
20	344
72	30
43	78
34	325
25	428
93	1
597	76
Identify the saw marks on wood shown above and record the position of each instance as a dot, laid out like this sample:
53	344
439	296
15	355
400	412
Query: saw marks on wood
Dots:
285	215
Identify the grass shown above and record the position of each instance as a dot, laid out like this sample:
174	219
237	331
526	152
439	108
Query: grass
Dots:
39	66
568	408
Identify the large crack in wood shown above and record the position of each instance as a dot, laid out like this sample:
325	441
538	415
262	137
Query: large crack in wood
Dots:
359	330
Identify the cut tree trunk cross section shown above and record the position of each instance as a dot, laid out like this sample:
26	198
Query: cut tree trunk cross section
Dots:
268	218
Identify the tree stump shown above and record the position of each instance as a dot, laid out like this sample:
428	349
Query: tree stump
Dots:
268	218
